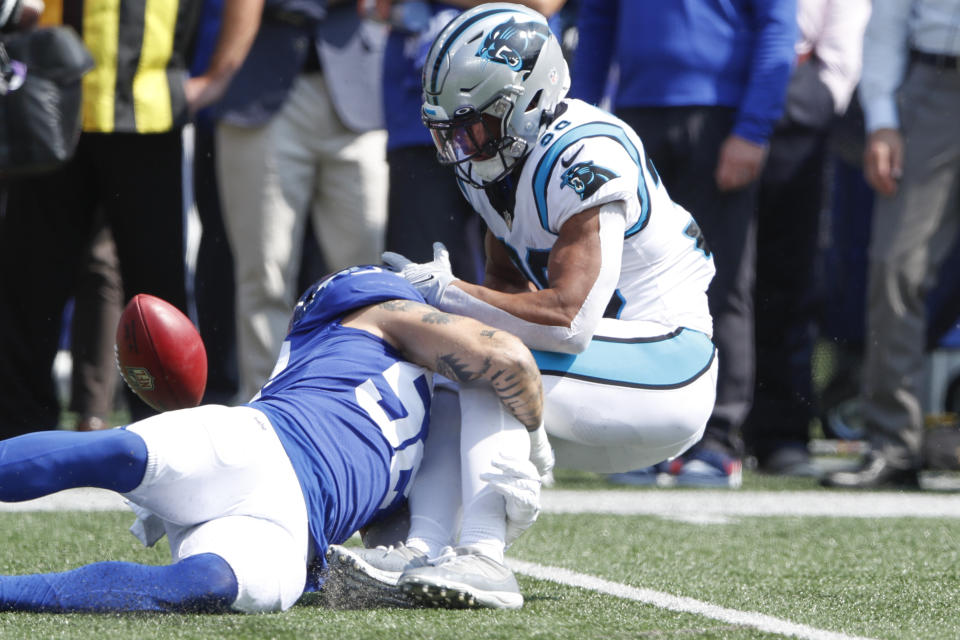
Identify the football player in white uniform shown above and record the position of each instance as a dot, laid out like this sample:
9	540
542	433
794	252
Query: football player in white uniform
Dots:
589	262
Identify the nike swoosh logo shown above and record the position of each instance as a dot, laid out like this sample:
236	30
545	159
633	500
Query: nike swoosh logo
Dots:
567	163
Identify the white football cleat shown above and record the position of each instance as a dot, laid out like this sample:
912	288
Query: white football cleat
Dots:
369	577
463	579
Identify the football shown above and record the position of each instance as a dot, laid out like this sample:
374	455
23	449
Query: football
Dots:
160	354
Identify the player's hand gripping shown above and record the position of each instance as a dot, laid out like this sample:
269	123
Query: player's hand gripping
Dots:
429	278
519	484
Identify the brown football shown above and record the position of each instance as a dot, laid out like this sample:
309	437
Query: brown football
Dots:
160	354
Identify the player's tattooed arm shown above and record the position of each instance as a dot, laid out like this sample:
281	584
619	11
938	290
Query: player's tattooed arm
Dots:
465	351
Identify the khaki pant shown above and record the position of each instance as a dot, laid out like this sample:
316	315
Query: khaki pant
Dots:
304	161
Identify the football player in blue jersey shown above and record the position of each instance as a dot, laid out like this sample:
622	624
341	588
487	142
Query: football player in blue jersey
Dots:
250	496
589	262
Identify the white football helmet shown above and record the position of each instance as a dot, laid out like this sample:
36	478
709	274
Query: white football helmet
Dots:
491	82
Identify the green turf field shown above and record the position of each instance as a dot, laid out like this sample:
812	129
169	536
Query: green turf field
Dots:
796	576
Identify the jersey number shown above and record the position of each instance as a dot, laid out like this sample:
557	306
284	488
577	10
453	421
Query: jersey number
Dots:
399	408
693	231
396	402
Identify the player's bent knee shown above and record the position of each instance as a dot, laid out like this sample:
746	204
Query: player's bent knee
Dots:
207	583
268	565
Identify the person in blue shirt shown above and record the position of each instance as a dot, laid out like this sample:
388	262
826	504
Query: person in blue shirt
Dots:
250	496
702	83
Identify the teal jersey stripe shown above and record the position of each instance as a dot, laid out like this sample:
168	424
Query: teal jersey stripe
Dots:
662	362
589	130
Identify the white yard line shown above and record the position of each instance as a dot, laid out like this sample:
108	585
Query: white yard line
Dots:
677	603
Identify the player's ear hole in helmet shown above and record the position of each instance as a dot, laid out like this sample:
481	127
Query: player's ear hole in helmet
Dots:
491	82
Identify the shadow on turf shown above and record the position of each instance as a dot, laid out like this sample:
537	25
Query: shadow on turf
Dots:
334	596
341	600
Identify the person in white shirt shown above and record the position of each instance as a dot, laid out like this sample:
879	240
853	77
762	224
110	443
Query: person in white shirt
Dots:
910	89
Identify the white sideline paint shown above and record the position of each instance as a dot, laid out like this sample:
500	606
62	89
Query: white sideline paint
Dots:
71	500
677	603
708	505
696	505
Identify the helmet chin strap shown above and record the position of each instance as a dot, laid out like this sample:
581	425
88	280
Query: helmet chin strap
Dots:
493	169
490	169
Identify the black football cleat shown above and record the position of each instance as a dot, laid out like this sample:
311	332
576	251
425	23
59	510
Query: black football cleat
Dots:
875	472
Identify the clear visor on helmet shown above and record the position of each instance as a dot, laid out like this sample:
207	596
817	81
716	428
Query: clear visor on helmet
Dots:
471	134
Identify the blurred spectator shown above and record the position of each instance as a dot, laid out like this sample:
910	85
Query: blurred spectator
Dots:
791	198
909	89
127	164
844	267
98	303
702	83
300	132
425	205
213	280
846	238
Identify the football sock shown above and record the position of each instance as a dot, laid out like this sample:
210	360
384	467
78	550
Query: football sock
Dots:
488	433
201	583
38	464
435	495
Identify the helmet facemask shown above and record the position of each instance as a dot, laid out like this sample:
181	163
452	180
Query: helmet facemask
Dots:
476	143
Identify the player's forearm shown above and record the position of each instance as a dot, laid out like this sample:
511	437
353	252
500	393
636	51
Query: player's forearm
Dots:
564	338
461	349
516	381
501	361
545	319
484	355
543	307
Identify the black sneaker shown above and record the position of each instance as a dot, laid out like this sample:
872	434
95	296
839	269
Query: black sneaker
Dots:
875	472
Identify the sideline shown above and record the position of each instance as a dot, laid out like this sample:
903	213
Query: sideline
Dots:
71	500
712	505
689	505
677	603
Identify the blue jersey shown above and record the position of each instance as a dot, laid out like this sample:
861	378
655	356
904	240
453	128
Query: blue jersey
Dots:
351	413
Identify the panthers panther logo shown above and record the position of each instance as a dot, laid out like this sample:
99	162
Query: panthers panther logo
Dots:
585	178
515	45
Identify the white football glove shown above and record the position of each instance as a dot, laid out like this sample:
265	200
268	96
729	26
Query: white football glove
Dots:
429	278
541	454
519	484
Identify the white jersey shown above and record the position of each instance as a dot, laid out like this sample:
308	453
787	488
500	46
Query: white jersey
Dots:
588	157
632	380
